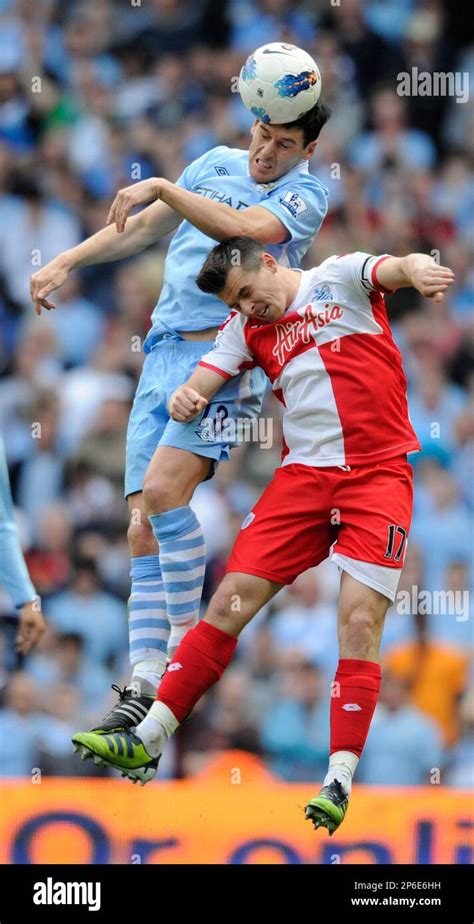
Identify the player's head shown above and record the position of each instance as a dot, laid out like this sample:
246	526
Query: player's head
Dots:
241	273
275	149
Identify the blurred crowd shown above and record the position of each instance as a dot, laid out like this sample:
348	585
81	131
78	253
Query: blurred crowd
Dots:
93	95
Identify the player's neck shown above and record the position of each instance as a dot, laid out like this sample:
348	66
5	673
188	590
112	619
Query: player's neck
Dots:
292	280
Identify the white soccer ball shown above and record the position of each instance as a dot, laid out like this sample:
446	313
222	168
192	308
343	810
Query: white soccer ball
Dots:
279	83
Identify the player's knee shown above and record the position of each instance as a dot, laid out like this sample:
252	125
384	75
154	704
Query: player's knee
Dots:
160	492
140	539
363	625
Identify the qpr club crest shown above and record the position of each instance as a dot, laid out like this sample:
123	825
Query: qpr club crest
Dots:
321	293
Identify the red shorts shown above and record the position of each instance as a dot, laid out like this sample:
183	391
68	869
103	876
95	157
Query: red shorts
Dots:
365	511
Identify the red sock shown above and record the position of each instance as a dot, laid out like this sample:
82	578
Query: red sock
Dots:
353	700
202	656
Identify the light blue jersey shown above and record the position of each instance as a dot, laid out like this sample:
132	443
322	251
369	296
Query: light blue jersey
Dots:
298	199
13	572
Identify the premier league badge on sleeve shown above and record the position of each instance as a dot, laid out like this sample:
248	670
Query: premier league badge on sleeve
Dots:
294	203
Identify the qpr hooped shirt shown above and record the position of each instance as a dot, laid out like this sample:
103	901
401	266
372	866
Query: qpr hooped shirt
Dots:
332	362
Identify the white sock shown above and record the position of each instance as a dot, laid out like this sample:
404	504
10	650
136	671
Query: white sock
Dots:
150	671
156	728
342	766
176	637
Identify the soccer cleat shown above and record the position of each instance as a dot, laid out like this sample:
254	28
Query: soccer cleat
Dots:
327	810
128	712
123	751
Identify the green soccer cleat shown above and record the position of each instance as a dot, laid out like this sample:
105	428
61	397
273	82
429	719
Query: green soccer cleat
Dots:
327	810
123	751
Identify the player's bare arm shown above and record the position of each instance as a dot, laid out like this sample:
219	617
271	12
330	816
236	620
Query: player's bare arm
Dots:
191	398
106	246
418	270
215	219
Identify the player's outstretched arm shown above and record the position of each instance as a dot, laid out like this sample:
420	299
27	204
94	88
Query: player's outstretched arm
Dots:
104	247
418	270
191	398
216	219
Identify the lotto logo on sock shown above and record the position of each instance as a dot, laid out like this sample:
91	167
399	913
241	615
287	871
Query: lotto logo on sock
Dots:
352	707
176	666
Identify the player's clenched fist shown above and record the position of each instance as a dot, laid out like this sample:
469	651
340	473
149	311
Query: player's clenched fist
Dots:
186	403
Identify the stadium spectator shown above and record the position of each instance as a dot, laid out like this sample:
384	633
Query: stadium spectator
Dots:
295	730
404	745
20	721
435	675
88	610
461	767
65	663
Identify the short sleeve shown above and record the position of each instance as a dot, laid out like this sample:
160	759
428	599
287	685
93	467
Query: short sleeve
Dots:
199	167
230	353
360	270
301	207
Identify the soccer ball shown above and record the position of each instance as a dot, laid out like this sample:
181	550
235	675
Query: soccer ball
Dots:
279	83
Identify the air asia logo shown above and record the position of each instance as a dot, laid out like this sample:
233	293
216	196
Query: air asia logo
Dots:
352	707
290	333
67	893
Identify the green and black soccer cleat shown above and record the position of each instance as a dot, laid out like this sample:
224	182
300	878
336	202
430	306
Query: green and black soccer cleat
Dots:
127	713
327	810
122	750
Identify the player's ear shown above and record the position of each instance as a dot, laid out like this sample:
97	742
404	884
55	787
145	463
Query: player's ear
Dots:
269	261
310	149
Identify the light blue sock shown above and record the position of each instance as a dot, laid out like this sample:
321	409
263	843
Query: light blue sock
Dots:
148	624
183	562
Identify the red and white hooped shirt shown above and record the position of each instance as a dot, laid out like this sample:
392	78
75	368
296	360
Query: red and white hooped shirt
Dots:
333	363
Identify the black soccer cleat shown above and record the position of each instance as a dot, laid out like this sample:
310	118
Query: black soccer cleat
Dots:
128	712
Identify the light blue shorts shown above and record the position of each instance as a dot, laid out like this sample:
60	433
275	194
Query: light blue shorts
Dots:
169	364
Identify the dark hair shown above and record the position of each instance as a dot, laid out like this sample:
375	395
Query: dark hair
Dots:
84	563
235	251
65	638
311	122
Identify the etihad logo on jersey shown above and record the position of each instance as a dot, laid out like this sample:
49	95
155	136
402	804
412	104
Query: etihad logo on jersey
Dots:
218	196
290	333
